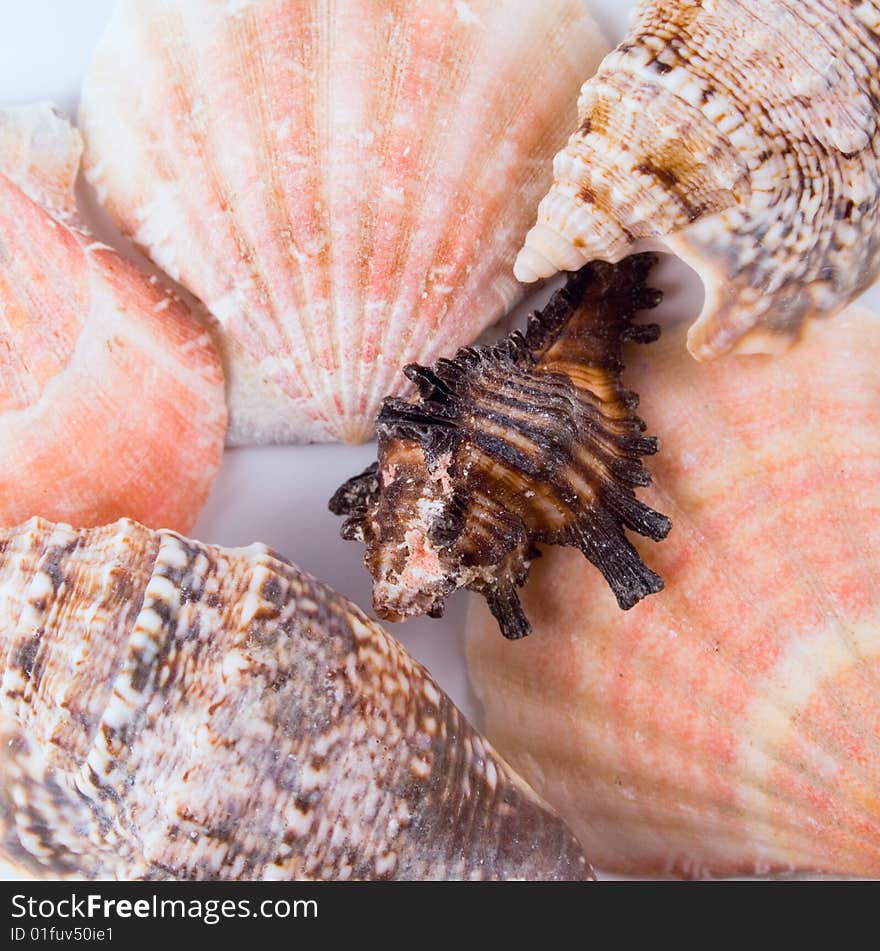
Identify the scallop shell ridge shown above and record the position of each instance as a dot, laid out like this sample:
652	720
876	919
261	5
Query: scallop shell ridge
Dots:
343	184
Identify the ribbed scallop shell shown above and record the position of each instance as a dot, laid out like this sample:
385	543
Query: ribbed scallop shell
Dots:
176	710
344	184
744	137
731	723
111	393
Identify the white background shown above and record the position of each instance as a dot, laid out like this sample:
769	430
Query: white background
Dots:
275	495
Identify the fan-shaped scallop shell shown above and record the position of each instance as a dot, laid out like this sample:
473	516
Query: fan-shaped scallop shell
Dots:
176	710
731	723
743	136
344	184
111	393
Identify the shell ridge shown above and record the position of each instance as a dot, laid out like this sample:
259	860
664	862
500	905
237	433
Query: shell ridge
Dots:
388	102
251	724
48	715
430	154
319	352
201	125
508	290
259	270
28	652
16	556
126	712
396	190
461	284
45	821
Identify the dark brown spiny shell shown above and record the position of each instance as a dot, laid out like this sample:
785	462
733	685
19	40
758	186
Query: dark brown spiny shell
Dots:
534	440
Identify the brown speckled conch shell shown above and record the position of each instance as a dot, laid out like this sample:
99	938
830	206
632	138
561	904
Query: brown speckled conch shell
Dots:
533	440
744	137
171	710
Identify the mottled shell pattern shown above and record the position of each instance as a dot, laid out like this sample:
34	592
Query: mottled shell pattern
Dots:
172	710
731	724
744	137
531	441
112	398
343	183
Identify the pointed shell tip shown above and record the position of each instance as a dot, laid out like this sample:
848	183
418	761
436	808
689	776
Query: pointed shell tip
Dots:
527	266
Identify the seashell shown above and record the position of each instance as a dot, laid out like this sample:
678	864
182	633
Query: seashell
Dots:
172	710
533	440
743	137
83	333
344	184
732	723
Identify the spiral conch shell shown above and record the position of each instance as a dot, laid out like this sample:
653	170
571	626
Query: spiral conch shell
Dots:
742	136
176	710
344	184
531	441
111	393
731	724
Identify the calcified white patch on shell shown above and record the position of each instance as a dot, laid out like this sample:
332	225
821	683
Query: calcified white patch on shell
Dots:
743	136
176	710
40	152
344	184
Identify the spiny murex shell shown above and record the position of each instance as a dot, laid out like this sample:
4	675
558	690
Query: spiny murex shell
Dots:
111	392
731	724
344	184
534	440
743	136
175	710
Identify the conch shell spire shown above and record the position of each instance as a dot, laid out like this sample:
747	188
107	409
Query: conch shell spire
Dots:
743	137
173	710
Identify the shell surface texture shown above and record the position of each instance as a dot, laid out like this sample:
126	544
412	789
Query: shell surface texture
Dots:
731	724
531	441
173	710
111	393
743	137
343	184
